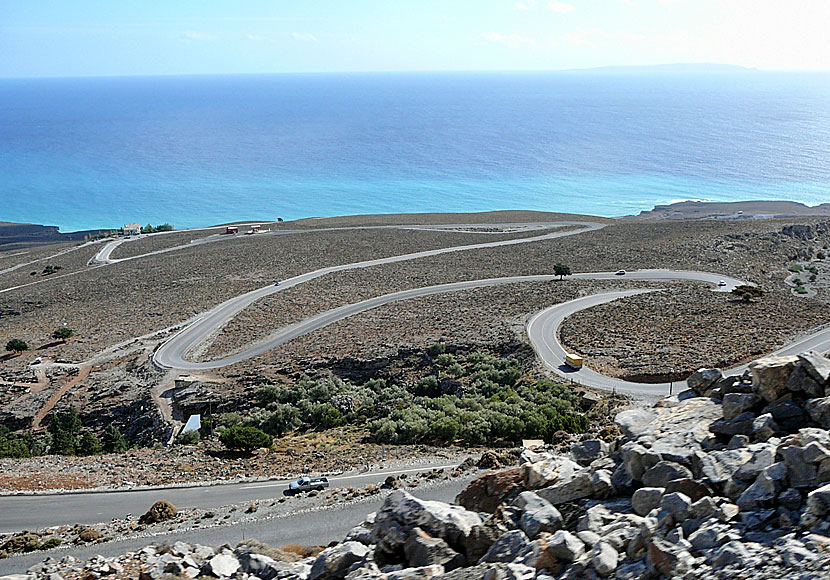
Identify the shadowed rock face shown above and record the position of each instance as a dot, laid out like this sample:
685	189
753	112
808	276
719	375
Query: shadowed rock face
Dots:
13	233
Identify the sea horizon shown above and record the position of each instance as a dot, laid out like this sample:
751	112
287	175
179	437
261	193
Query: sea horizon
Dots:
98	152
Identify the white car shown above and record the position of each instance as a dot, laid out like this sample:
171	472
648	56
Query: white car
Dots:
306	484
721	282
619	273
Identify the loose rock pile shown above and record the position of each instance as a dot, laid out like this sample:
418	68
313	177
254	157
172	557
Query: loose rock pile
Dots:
727	480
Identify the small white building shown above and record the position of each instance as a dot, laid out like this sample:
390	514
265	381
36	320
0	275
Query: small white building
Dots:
132	229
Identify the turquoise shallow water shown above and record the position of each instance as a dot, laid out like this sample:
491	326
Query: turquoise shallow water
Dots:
87	153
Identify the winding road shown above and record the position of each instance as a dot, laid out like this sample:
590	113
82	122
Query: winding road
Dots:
543	328
38	511
172	354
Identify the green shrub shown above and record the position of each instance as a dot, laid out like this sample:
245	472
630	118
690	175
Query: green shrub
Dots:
51	543
427	387
801	290
20	445
16	345
267	394
455	370
326	416
445	429
151	229
62	333
488	400
561	270
795	268
747	293
245	438
64	428
283	419
112	440
436	349
89	444
384	431
206	427
227	420
475	431
188	438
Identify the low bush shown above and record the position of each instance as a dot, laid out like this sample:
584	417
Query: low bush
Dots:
188	438
473	399
245	438
436	349
51	543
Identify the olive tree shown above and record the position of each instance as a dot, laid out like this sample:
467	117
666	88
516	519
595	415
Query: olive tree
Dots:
16	346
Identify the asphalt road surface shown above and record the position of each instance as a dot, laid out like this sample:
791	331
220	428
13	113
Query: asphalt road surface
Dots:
19	512
173	353
308	528
543	332
542	329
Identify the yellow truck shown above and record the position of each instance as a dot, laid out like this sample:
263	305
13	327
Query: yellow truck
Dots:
574	361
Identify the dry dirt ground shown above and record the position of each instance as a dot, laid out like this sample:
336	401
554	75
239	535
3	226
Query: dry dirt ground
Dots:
683	328
110	304
333	451
125	300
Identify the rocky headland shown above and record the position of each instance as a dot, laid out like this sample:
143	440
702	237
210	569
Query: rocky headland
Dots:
730	479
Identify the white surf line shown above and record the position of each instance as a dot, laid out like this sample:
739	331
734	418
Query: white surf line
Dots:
358	476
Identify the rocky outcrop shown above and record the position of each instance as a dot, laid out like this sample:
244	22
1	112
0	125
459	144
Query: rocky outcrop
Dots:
678	495
488	491
160	511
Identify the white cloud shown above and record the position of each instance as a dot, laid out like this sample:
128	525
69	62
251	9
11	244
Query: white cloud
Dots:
304	36
191	35
508	40
560	7
581	38
527	5
593	36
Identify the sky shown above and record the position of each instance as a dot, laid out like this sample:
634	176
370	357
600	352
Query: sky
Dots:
164	37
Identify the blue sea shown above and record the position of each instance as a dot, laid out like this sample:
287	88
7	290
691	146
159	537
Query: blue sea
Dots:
192	151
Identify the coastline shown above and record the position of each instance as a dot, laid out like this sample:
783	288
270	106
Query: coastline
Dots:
31	234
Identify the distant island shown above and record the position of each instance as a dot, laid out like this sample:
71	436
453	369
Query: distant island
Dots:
698	210
673	68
